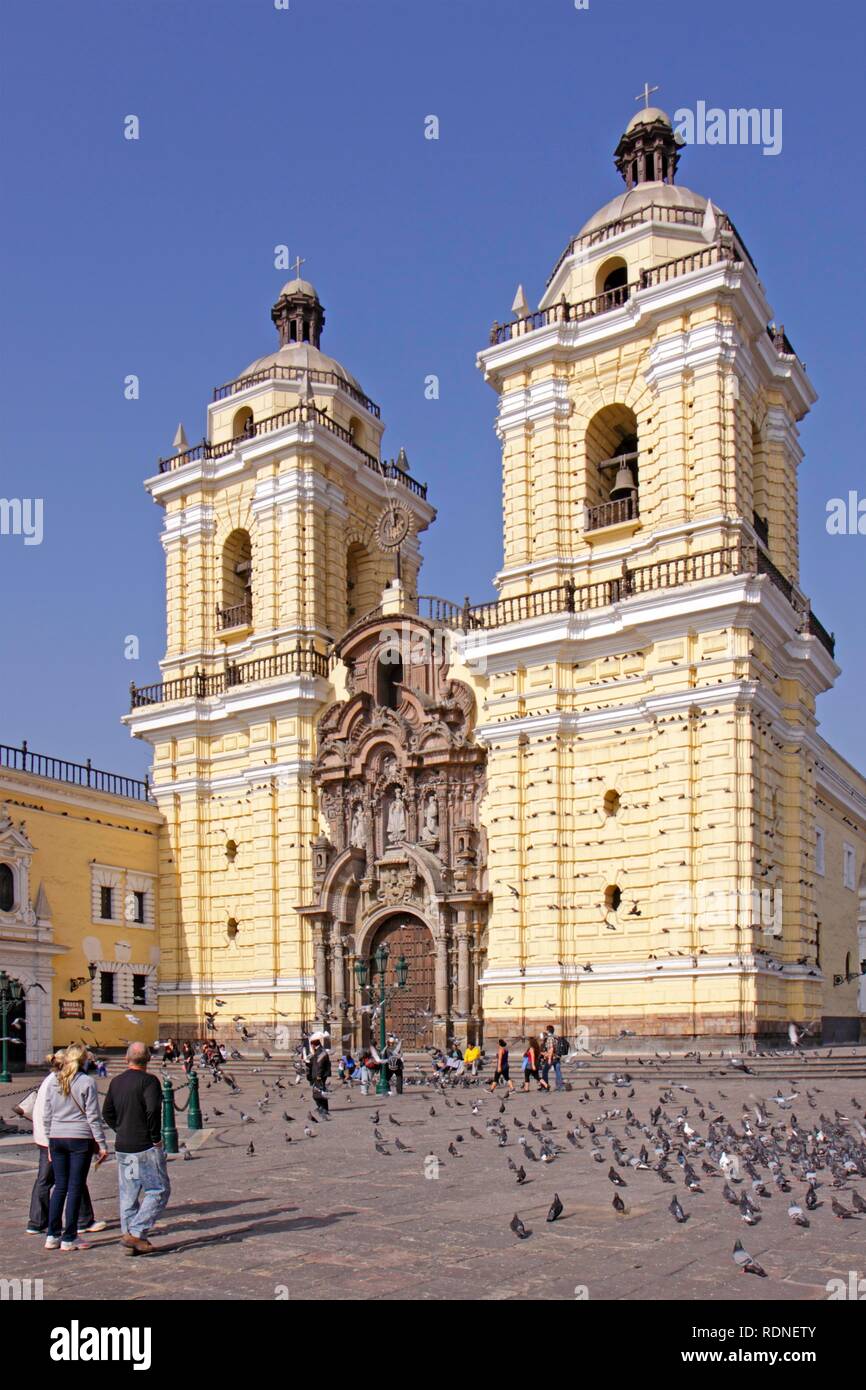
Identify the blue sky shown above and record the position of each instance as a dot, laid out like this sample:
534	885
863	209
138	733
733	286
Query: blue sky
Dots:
261	127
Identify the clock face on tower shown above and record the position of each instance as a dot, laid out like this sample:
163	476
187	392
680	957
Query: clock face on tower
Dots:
393	526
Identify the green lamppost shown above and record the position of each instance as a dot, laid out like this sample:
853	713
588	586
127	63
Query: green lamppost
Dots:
380	965
10	993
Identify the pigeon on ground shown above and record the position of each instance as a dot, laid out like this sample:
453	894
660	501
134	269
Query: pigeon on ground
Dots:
842	1212
618	1204
556	1208
518	1228
743	1259
677	1212
796	1214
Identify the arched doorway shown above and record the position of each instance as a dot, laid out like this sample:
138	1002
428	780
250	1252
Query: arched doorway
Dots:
409	1011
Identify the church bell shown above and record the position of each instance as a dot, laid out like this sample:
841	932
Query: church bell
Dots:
624	485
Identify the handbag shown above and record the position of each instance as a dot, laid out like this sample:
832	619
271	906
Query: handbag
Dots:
26	1107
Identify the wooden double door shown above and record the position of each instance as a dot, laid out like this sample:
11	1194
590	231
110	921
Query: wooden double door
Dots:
409	1011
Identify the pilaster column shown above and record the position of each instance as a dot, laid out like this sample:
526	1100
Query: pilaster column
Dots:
321	962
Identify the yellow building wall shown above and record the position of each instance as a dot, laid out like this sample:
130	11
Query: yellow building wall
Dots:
81	838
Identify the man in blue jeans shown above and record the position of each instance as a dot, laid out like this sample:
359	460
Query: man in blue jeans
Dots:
133	1108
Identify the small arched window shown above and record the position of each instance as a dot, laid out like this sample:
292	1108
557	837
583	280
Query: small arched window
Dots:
612	283
7	888
613	897
611	803
243	423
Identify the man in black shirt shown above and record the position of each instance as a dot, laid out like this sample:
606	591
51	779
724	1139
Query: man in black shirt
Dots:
132	1108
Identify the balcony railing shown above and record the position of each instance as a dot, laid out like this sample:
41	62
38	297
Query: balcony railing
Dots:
296	414
75	774
564	312
303	659
661	574
279	373
653	212
236	615
612	513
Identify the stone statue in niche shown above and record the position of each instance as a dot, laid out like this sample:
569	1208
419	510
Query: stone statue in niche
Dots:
397	818
431	819
358	828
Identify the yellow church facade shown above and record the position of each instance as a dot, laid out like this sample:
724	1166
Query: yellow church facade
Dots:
599	801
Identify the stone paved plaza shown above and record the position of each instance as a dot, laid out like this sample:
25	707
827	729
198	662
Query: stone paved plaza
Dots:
329	1216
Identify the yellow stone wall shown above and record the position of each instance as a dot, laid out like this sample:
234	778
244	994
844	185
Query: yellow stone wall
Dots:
80	836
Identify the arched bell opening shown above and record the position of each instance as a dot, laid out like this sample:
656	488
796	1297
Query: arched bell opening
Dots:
612	467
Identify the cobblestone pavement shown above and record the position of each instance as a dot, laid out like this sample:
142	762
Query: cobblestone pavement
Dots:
329	1216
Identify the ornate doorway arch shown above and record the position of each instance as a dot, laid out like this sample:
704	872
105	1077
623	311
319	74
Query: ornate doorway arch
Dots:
410	1011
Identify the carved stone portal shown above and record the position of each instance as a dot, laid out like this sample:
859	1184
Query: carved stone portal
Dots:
400	779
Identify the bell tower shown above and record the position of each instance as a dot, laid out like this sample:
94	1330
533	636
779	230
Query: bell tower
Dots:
271	554
652	666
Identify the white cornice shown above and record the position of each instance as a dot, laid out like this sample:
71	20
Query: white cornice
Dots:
212	985
195	522
293	770
690	966
298	485
67	794
288	697
748	601
301	437
644	311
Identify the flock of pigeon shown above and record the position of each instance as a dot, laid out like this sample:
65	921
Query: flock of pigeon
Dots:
741	1155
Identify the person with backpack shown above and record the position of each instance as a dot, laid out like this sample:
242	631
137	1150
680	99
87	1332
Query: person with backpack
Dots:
555	1049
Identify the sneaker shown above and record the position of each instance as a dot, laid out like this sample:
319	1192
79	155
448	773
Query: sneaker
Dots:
75	1244
52	1243
36	1231
95	1226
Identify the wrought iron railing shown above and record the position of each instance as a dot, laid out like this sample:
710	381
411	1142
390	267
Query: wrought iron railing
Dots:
565	312
659	574
235	615
612	513
281	373
303	659
76	774
653	212
296	414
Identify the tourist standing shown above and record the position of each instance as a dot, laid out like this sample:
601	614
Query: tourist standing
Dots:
74	1129
133	1109
40	1197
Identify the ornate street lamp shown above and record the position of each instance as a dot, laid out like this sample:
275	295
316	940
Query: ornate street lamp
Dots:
10	993
380	966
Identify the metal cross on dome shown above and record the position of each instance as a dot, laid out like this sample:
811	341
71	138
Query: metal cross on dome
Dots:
299	261
646	94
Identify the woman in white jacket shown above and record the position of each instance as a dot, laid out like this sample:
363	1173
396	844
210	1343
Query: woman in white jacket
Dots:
37	1224
74	1127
